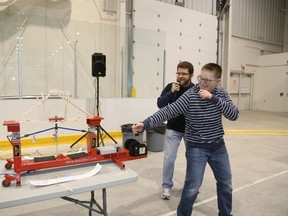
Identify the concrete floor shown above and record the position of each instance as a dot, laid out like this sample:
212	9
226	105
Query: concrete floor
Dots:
260	177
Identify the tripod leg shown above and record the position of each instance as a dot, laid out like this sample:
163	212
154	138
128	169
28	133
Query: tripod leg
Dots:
108	135
99	136
78	140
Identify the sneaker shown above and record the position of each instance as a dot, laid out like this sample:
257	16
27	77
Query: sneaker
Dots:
166	194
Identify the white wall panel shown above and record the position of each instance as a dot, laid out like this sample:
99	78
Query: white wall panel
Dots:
188	35
148	61
280	59
204	6
273	85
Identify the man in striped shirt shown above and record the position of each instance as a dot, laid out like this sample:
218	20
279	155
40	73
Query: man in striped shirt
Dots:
203	106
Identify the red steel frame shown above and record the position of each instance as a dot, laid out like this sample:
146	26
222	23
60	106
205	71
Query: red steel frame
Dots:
61	160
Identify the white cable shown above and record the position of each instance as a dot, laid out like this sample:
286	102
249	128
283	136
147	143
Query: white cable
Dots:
59	93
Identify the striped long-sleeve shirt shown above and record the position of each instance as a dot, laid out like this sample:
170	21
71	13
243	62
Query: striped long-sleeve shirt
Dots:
203	117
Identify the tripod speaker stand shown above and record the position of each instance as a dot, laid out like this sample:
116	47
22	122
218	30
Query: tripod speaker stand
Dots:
98	70
99	128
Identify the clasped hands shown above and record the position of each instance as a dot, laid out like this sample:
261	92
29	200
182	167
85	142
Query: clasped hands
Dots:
204	94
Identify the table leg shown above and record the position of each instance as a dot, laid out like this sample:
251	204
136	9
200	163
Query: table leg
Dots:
92	200
101	210
104	201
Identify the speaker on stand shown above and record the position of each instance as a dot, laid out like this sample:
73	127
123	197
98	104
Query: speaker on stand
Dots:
98	70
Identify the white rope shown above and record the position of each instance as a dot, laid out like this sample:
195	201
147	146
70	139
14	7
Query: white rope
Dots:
65	97
43	103
34	121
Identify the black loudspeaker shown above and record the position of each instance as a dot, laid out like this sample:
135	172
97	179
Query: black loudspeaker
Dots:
98	65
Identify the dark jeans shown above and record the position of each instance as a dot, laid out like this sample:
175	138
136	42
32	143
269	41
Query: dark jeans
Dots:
218	159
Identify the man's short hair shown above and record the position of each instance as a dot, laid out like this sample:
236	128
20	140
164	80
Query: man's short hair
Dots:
186	64
213	67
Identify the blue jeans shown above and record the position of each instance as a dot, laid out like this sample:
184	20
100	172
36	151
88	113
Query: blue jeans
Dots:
172	142
217	157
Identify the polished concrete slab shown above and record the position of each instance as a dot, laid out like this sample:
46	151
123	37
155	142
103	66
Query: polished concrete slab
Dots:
259	160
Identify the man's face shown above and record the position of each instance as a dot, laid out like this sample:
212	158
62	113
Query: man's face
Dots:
183	76
207	80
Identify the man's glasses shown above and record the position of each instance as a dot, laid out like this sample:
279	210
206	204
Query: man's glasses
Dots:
205	80
182	74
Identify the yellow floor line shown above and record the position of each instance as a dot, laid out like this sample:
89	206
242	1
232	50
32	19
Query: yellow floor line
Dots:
49	141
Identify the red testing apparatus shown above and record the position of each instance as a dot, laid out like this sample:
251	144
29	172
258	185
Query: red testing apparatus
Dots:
95	153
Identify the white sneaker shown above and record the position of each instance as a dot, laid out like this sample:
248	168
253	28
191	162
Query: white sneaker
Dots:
166	194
